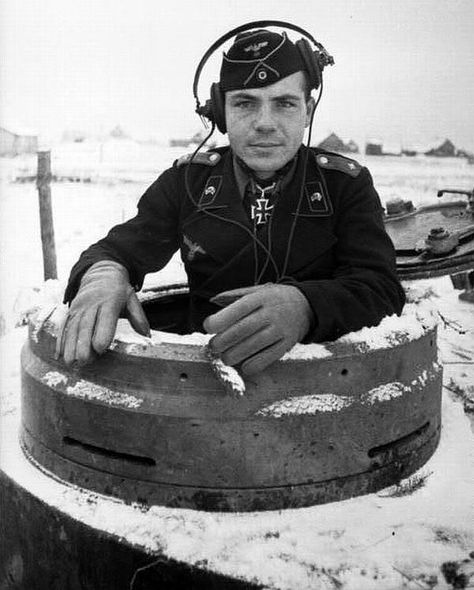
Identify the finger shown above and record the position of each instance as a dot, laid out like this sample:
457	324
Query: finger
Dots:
247	348
228	316
264	358
241	330
61	336
105	326
84	350
136	316
70	338
228	297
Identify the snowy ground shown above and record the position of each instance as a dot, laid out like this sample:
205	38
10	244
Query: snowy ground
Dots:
382	541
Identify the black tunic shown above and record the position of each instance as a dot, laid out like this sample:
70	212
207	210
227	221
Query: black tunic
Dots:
326	236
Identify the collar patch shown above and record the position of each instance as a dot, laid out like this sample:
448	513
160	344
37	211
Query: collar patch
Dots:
210	191
318	201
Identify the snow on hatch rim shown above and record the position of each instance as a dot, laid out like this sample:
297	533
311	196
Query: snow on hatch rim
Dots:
418	317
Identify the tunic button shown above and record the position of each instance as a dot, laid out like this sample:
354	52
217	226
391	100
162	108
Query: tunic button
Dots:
323	160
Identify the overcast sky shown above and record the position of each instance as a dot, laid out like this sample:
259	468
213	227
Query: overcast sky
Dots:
404	68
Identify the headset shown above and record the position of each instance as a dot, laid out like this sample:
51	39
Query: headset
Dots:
315	61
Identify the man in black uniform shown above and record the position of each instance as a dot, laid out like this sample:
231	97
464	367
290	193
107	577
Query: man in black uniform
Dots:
281	243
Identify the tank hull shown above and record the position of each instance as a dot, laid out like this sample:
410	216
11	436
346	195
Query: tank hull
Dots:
410	232
44	548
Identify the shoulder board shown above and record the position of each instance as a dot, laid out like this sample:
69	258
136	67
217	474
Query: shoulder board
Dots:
341	163
206	158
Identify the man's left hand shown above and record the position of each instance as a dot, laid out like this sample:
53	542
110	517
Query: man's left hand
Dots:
261	324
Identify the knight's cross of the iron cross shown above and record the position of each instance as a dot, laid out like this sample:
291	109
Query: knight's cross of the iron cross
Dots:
262	210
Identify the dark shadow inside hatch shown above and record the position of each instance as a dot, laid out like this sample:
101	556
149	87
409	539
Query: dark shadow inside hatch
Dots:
168	313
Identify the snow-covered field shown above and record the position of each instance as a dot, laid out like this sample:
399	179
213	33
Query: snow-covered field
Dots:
395	539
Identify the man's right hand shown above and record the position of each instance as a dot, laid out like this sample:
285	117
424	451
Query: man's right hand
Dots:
89	327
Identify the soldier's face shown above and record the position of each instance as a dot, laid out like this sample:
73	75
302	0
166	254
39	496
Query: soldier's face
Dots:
266	125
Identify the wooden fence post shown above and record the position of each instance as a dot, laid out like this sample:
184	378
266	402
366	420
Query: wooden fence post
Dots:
43	180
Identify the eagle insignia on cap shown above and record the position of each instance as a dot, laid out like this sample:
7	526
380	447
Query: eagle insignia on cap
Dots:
256	47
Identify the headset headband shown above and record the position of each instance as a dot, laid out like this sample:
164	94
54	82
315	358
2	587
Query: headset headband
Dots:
241	29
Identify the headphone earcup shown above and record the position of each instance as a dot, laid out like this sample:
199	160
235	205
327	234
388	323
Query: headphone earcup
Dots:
310	60
218	107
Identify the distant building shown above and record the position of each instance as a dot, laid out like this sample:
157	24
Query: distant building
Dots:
118	133
465	154
16	141
352	147
444	150
377	147
333	143
374	147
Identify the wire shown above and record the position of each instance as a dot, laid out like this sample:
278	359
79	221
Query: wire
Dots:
269	240
300	198
255	256
186	172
